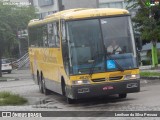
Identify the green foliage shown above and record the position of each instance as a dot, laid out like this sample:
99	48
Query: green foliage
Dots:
7	98
13	18
149	74
144	22
146	62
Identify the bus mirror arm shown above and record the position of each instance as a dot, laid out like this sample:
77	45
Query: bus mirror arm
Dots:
66	58
57	36
138	43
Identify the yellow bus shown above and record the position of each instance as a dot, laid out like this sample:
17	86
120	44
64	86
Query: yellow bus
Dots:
69	53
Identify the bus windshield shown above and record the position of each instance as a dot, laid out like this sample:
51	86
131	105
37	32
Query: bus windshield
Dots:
89	45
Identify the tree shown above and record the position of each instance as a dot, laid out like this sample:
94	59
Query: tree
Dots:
12	18
147	23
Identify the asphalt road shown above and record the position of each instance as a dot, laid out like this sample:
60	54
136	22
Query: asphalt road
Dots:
146	100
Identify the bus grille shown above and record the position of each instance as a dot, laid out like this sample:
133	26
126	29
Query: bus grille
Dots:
99	80
116	78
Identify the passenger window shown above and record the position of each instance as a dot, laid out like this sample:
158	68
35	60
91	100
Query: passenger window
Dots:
51	38
63	30
45	36
35	36
56	33
32	36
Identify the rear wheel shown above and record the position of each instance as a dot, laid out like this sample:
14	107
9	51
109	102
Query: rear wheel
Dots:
45	90
123	95
40	83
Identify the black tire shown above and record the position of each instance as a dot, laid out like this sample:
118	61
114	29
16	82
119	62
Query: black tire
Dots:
123	95
45	90
69	100
40	84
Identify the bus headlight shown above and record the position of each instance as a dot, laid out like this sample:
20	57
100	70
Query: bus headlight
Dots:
80	82
134	76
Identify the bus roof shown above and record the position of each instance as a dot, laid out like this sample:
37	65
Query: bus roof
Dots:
79	13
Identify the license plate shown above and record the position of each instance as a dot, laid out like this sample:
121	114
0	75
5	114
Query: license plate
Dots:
132	85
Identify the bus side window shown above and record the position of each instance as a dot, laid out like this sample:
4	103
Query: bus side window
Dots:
45	36
56	33
51	39
63	31
64	41
35	37
32	37
39	37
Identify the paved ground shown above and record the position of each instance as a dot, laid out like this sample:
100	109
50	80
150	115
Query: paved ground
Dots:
24	86
148	99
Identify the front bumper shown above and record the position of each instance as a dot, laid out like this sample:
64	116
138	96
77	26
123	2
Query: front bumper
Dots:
96	90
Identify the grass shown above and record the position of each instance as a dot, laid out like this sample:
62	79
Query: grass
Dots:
2	78
7	98
149	74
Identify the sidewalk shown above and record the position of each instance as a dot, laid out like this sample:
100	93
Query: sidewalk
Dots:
149	68
16	75
4	79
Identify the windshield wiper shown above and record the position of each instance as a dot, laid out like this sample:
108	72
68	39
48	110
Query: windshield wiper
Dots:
107	55
94	63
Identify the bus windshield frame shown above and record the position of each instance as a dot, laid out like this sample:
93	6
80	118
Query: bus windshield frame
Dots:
88	40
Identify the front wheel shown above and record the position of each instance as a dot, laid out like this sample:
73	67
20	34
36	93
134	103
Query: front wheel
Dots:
64	89
70	101
45	90
123	95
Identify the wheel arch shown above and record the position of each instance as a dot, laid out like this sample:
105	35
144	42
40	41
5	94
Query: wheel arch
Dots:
63	83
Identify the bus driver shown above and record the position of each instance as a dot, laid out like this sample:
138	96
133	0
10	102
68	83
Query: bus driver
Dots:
114	48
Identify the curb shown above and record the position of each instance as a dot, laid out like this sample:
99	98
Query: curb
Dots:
151	78
9	79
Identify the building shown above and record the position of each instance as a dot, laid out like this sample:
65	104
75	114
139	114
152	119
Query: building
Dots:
145	54
117	4
46	7
111	4
69	4
17	2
